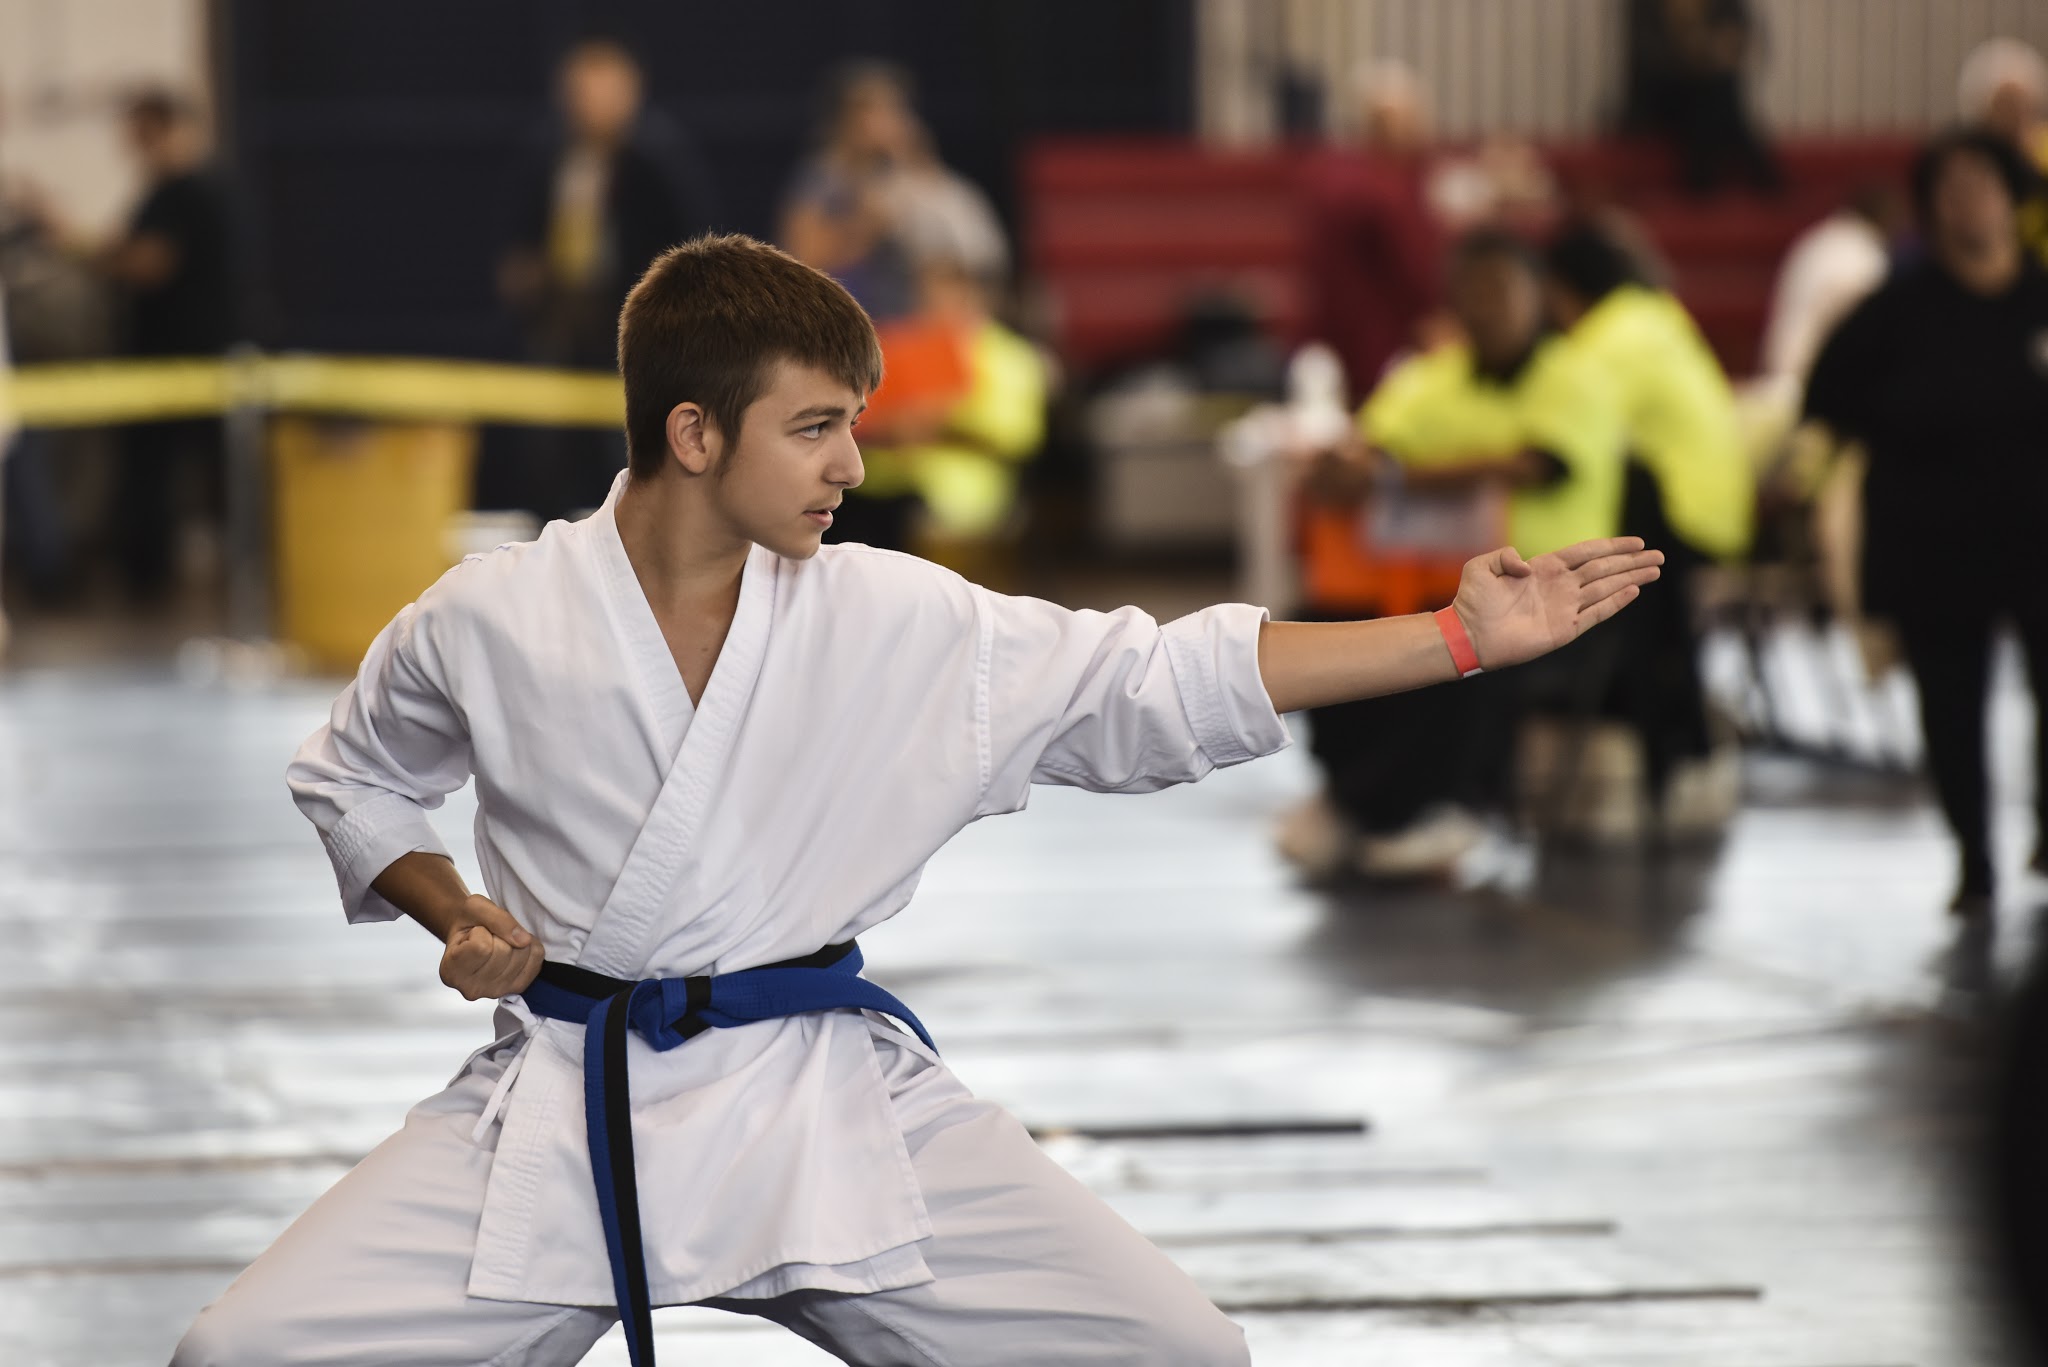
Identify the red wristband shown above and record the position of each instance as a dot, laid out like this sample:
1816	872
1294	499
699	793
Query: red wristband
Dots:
1463	656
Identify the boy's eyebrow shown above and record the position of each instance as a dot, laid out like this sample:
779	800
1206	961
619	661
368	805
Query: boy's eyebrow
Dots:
825	411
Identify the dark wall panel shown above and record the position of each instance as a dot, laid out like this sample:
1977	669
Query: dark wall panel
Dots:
378	140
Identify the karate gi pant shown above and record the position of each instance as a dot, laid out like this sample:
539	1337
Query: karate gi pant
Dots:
1028	1265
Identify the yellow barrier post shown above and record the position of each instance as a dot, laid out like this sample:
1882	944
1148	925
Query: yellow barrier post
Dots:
243	426
361	510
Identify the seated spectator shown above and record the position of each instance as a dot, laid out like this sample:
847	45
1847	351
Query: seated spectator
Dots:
874	199
1503	182
1691	490
1373	246
1507	437
1686	75
1677	406
2004	88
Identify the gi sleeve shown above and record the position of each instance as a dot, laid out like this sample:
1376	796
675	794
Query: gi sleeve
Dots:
393	748
1113	702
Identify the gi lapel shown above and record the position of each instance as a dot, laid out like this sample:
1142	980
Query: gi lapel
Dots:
653	667
641	900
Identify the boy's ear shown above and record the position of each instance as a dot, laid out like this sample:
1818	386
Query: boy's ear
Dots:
691	438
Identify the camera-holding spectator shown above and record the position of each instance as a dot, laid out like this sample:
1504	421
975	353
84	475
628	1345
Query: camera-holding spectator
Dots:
874	200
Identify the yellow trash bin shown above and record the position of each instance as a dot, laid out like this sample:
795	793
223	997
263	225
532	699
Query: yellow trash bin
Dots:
361	517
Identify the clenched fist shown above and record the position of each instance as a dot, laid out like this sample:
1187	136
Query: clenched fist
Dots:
487	953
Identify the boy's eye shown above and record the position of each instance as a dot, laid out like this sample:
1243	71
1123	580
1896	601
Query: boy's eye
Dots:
814	431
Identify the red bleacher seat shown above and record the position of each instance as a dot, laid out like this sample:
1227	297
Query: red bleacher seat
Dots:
1123	232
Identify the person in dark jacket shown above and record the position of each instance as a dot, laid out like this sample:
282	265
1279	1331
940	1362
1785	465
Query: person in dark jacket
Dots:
1687	60
176	274
1942	376
612	190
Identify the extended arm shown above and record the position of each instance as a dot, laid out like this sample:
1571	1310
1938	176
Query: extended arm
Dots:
1512	609
1114	702
393	747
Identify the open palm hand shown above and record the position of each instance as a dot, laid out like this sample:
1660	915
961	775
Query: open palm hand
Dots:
1515	610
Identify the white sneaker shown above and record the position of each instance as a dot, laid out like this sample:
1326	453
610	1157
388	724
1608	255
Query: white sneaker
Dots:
1315	837
1429	848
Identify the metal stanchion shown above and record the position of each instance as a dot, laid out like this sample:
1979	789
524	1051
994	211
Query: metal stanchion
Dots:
244	426
245	388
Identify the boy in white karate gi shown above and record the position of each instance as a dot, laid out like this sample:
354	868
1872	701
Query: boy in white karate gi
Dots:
703	744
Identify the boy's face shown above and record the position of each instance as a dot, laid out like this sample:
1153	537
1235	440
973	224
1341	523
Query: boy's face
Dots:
794	460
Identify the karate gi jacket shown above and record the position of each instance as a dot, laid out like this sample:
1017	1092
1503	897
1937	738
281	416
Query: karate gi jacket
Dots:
865	706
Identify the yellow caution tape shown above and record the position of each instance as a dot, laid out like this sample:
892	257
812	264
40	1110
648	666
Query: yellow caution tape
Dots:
98	393
88	393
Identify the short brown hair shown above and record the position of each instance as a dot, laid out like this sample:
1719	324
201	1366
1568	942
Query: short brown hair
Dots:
708	320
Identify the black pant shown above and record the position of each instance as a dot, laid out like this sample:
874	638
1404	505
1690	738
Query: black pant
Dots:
1948	647
1388	760
1657	688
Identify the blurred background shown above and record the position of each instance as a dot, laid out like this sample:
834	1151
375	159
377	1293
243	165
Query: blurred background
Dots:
1671	1002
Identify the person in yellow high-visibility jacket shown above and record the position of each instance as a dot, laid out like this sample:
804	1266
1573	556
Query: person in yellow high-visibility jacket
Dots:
1691	485
1675	399
1506	436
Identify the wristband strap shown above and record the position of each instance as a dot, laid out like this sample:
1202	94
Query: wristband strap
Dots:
1463	656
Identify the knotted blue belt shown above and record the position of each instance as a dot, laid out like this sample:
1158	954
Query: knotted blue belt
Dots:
665	1012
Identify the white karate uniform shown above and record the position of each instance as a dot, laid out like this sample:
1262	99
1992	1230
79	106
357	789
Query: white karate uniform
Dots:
865	706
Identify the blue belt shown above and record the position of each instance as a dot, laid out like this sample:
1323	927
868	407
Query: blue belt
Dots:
665	1012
